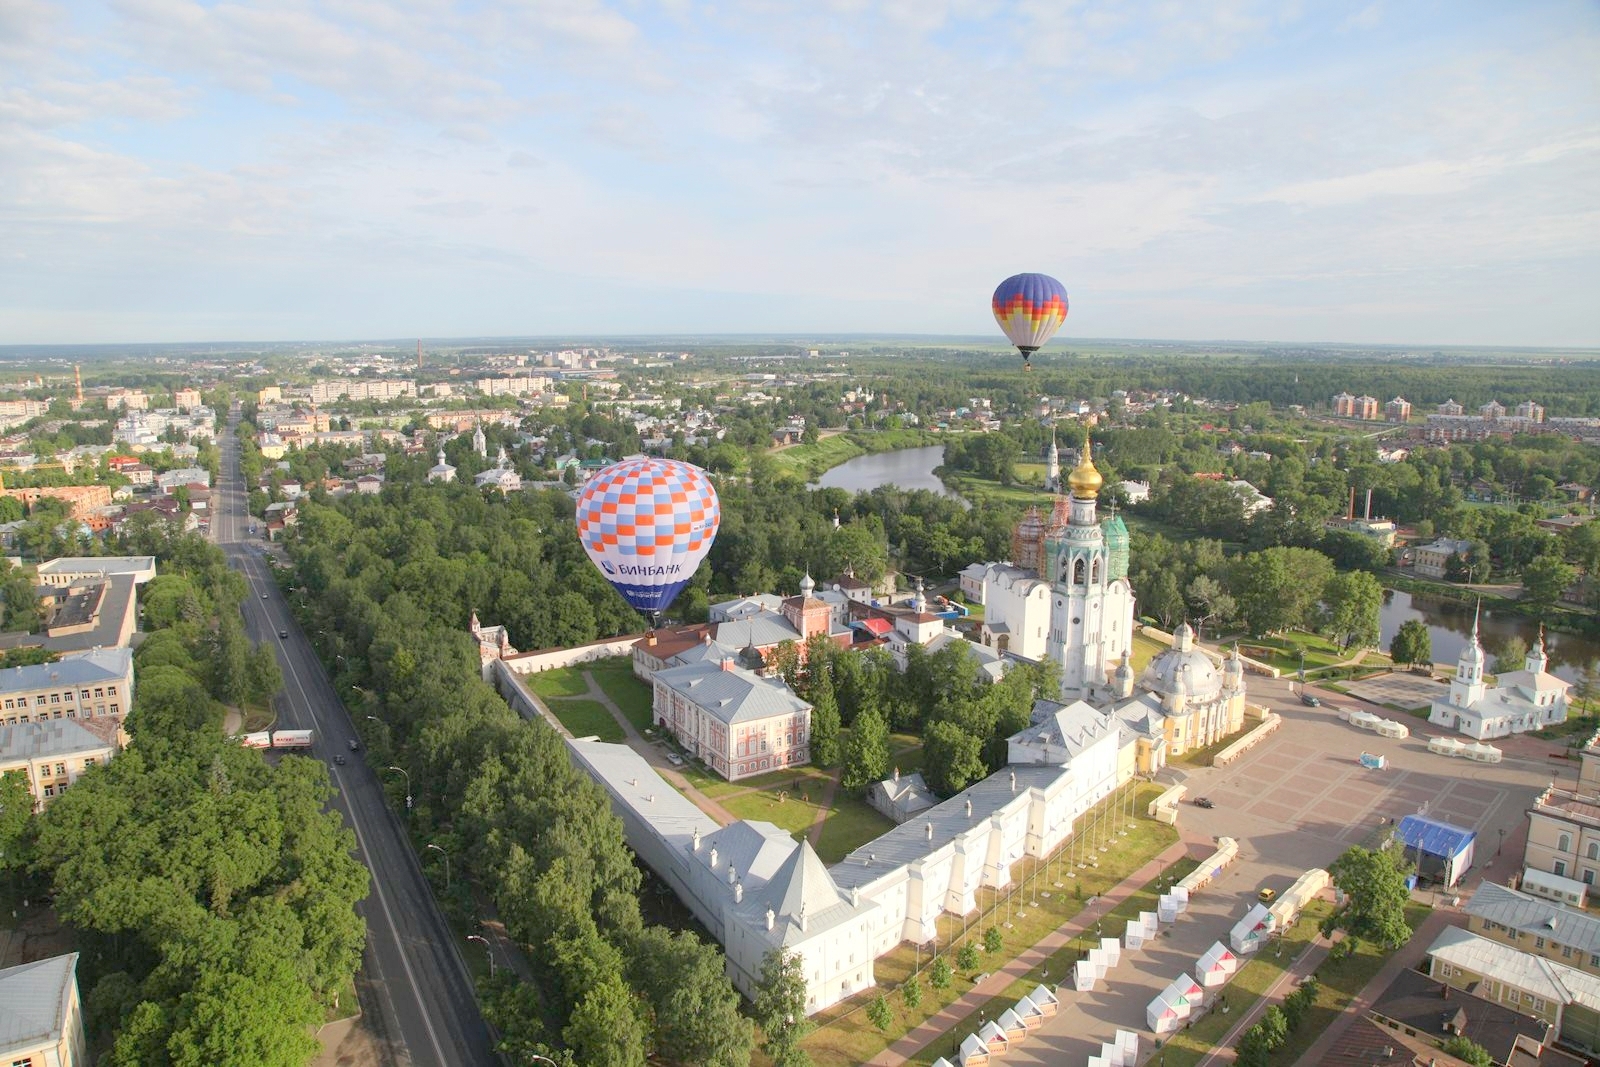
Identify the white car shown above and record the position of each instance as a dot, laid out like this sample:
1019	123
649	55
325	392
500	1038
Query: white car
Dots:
674	759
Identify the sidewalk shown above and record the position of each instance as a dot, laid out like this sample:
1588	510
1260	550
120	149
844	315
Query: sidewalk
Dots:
1407	956
1309	960
940	1026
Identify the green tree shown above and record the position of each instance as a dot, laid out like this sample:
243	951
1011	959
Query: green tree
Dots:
1352	602
16	807
17	586
866	751
263	677
1375	882
229	660
911	992
1545	579
1412	643
952	758
967	956
825	741
993	939
605	1029
939	974
1464	1048
1512	655
879	1013
779	1007
694	1008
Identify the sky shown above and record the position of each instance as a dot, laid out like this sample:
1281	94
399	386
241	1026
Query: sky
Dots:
1290	170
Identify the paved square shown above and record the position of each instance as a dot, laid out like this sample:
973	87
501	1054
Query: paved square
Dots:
1401	690
1295	802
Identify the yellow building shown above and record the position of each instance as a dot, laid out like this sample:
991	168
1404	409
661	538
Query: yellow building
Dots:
52	755
1184	700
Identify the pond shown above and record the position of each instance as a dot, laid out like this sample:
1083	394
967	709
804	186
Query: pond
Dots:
908	468
1449	623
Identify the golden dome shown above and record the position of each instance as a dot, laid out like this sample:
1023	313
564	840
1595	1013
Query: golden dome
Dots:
1084	479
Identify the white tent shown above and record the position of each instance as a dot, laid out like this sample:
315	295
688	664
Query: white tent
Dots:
1216	965
1111	1052
1099	1061
1029	1012
1013	1024
1446	746
1111	948
1083	977
1167	908
1364	720
1180	895
1166	1012
1390	728
973	1051
1252	931
1044	1000
1189	989
1097	960
1482	753
1151	923
1128	1041
999	1044
1133	936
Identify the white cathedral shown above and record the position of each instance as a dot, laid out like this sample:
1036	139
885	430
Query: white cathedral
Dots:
1529	699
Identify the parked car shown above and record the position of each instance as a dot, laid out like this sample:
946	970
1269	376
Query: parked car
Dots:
1311	700
674	759
1203	802
284	634
1268	895
339	760
354	745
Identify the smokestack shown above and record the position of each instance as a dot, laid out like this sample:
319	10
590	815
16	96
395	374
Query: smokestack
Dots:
1368	515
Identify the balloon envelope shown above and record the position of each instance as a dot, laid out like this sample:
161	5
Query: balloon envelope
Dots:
1030	308
647	523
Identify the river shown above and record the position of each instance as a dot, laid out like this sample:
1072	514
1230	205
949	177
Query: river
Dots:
1449	623
908	468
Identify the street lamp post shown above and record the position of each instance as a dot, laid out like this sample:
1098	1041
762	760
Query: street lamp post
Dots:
1502	843
488	950
446	856
403	771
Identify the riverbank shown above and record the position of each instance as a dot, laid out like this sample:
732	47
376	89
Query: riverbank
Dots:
1564	619
812	461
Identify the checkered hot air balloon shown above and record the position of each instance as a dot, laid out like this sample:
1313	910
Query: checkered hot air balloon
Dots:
1030	308
647	523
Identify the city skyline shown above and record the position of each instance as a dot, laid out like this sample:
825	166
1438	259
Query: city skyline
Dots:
1401	174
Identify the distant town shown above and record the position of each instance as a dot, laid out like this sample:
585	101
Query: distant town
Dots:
1154	702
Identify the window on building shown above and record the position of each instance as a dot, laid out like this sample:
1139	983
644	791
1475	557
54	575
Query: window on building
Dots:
1514	996
111	690
55	698
83	694
1588	876
38	701
1592	851
99	693
49	790
44	770
1559	868
1564	843
88	762
61	768
114	710
1566	952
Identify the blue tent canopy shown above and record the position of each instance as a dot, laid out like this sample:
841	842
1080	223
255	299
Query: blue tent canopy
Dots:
1434	838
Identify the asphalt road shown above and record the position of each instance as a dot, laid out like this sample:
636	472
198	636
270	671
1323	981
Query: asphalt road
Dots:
416	983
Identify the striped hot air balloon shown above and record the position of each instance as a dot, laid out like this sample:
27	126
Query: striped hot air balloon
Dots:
1030	308
647	523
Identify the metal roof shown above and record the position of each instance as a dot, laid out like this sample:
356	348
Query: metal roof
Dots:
101	665
910	842
1433	837
733	695
1523	970
33	1003
56	737
1495	903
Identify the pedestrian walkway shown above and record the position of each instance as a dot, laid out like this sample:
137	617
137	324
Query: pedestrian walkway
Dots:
1309	960
941	1026
650	753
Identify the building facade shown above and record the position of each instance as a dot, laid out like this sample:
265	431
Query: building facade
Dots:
51	755
43	1015
1529	699
734	720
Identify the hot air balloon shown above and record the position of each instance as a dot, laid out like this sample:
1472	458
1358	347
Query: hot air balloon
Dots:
1030	308
647	523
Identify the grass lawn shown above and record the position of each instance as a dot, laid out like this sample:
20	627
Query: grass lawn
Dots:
1145	649
845	1037
710	784
586	717
792	813
1338	984
561	682
615	677
254	719
851	824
